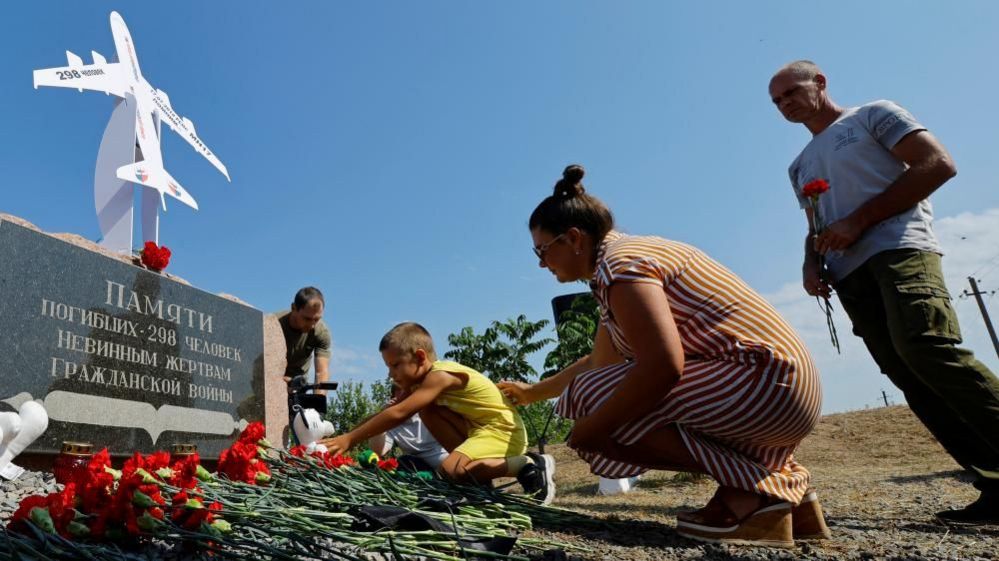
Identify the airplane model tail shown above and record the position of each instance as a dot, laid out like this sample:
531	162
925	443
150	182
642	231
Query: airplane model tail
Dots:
157	178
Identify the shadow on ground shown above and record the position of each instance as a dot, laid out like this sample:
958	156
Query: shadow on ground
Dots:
957	474
907	525
625	510
631	533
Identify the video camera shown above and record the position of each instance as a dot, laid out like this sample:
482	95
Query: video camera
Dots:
306	411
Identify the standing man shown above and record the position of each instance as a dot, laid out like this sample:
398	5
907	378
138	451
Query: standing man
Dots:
882	258
306	335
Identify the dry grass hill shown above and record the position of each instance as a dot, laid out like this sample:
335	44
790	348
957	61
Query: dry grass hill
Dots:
879	474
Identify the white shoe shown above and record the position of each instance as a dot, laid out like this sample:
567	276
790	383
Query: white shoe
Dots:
616	486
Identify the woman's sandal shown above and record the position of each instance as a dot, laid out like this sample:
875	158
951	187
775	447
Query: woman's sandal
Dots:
695	516
807	521
767	526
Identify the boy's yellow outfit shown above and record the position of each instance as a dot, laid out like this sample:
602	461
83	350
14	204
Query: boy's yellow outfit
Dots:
495	429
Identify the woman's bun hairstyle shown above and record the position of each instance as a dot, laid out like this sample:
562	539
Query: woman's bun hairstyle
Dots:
571	183
570	206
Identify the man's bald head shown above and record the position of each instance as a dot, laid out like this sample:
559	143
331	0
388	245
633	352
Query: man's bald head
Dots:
800	70
798	90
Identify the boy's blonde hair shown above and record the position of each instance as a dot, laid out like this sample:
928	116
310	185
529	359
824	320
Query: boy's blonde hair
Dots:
407	337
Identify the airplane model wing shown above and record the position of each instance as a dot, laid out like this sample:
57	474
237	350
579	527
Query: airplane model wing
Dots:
144	173
185	128
100	77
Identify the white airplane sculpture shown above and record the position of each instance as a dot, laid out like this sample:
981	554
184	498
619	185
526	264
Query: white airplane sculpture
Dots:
130	148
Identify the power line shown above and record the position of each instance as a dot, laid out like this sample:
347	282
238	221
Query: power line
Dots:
992	263
988	271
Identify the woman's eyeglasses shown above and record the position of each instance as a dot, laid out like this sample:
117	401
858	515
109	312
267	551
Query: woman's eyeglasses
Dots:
540	250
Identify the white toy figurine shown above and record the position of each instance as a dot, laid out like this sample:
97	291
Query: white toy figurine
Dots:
309	427
19	430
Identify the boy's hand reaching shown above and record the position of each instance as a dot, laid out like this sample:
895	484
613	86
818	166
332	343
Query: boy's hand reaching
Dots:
338	444
519	393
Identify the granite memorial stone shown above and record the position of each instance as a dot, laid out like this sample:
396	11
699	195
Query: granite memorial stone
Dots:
120	356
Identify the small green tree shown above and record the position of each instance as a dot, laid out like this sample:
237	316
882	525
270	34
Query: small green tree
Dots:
501	351
473	350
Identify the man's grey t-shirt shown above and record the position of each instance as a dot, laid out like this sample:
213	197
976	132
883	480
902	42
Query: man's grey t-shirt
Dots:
853	155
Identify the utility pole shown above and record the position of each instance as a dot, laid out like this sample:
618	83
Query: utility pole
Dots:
985	313
884	396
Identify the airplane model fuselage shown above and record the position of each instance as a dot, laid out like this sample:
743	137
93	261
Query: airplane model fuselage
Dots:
150	106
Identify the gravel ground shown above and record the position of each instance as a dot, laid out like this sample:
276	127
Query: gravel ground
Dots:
880	477
30	483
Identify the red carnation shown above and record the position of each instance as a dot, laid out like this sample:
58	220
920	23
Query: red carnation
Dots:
95	488
254	432
811	191
239	463
157	460
93	496
99	461
23	512
390	464
185	472
259	472
155	257
151	463
57	510
815	188
190	512
61	508
334	461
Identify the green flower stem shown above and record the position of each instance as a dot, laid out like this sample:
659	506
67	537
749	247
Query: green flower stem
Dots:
19	545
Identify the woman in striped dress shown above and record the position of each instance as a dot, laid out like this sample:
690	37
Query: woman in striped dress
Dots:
691	370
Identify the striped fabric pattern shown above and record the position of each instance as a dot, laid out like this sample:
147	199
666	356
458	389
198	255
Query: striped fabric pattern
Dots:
749	392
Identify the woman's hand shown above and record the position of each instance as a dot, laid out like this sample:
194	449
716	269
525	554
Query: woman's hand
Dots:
338	444
519	393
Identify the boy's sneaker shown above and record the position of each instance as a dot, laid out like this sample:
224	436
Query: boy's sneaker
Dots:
538	479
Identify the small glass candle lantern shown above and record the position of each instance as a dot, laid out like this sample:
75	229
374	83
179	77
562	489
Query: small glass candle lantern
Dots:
73	459
180	452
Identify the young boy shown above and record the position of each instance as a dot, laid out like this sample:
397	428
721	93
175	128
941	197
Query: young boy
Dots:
464	411
421	451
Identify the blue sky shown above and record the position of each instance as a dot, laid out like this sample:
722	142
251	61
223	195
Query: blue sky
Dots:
391	152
